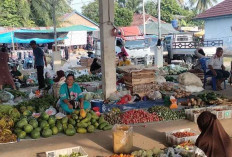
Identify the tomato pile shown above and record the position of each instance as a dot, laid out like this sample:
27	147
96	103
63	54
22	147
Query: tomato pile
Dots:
183	134
139	116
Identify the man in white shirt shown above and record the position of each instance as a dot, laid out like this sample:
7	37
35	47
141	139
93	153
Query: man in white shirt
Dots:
217	68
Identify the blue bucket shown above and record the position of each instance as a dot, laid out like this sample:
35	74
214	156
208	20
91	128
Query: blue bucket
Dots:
174	23
97	103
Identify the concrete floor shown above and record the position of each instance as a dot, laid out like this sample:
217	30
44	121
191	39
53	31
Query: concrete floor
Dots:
100	143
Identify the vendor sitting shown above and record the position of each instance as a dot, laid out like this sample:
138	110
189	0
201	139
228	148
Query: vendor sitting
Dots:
217	68
16	74
199	53
95	67
71	97
125	61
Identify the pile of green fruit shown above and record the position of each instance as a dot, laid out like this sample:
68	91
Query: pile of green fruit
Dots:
88	78
73	154
166	113
47	126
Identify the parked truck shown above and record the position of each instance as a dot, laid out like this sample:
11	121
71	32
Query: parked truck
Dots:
182	46
135	43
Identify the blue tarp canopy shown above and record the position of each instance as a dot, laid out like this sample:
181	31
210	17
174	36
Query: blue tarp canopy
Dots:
40	36
25	36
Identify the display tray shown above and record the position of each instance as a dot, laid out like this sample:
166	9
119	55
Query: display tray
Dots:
67	151
172	140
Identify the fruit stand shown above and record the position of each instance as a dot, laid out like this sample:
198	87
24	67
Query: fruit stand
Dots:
139	101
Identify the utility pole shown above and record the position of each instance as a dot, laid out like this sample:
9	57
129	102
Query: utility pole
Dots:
56	54
159	47
144	19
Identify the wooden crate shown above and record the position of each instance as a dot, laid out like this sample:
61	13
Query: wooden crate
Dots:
139	77
142	89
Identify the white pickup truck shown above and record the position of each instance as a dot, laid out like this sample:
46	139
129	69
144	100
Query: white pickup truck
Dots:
182	46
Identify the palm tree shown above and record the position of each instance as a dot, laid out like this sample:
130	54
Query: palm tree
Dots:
202	5
134	5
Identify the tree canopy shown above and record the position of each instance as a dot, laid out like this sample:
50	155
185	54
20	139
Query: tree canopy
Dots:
30	12
123	16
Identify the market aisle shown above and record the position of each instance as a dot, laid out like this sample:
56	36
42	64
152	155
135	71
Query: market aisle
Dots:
100	143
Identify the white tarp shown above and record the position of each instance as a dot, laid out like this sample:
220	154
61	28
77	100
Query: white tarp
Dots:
76	38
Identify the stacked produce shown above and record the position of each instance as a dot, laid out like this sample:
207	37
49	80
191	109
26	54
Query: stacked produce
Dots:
114	116
6	125
211	98
73	154
47	126
183	134
88	78
193	102
139	116
147	153
174	69
38	105
122	155
17	93
166	113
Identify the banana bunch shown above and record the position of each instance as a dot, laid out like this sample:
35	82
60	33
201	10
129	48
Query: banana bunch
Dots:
6	135
6	122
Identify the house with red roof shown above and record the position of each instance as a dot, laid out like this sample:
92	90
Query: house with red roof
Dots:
138	19
218	24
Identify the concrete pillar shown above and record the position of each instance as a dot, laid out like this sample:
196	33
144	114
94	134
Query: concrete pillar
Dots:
159	56
108	56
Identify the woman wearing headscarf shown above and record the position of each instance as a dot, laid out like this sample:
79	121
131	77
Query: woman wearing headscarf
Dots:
58	81
213	140
5	77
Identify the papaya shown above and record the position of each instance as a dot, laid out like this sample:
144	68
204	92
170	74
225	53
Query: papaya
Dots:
102	125
96	124
82	125
101	120
95	117
90	128
107	127
93	121
81	130
87	119
82	113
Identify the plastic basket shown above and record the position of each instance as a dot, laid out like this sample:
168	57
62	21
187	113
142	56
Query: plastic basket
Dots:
67	151
172	140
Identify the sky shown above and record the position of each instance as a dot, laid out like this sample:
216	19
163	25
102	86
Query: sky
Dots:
77	4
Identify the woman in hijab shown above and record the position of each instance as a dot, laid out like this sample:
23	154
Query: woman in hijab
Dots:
213	140
5	77
58	81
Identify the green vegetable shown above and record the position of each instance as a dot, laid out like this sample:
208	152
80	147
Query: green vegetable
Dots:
52	120
59	127
21	123
44	116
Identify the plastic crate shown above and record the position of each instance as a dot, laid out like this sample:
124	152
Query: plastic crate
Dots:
227	114
67	151
220	114
172	140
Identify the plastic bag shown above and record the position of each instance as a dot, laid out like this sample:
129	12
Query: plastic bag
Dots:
115	96
6	96
160	79
189	79
193	89
153	95
60	115
51	111
122	138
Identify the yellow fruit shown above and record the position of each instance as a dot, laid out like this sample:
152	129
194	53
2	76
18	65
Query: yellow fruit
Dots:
7	132
2	123
82	113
